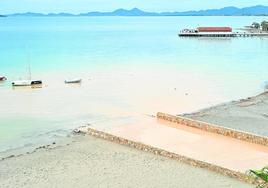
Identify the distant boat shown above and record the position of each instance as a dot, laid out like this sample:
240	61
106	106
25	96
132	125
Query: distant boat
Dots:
26	82
2	78
73	81
21	83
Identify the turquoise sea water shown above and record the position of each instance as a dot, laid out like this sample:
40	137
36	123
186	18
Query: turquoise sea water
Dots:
57	43
114	51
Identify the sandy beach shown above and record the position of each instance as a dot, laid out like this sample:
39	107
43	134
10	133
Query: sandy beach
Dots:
85	161
92	162
249	115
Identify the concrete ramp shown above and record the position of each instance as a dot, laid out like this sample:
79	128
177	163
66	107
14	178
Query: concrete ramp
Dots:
214	151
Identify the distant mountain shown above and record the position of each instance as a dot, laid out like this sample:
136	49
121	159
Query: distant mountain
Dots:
122	12
27	14
258	10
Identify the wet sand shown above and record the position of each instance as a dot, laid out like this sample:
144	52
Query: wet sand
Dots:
249	115
91	162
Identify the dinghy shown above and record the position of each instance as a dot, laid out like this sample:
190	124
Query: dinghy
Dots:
73	81
2	78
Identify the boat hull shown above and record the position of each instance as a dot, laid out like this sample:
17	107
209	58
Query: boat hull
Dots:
21	83
73	81
26	82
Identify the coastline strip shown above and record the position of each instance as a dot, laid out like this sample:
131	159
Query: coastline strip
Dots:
240	135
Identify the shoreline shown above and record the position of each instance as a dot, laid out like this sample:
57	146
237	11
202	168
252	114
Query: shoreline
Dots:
208	115
219	113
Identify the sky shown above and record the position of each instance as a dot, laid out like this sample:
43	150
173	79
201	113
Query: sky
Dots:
79	6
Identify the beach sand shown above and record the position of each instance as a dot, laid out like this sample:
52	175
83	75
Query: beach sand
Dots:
92	162
249	115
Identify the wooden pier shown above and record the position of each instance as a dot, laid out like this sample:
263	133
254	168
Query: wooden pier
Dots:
223	34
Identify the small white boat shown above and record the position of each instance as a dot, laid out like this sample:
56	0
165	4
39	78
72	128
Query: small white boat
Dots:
73	81
29	81
26	82
21	83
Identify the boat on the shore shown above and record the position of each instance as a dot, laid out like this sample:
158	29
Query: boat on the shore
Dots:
73	81
3	78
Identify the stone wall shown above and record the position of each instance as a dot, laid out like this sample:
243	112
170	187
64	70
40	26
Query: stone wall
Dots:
214	129
157	151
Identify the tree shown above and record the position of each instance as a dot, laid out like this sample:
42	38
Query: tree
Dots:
264	25
256	25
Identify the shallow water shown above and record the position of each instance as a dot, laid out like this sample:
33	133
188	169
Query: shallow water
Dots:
129	66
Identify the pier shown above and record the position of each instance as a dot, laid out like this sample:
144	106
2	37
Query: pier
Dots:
237	34
218	32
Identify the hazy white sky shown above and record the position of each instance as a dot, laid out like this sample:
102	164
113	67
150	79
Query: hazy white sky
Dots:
77	6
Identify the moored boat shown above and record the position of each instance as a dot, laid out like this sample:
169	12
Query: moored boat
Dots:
3	78
21	83
73	81
26	82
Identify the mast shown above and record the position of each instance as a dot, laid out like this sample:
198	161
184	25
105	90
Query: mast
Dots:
29	66
30	73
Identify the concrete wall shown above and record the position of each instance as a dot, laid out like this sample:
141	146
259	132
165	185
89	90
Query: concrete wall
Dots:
214	129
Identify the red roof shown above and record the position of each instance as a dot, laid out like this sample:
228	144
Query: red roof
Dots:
214	29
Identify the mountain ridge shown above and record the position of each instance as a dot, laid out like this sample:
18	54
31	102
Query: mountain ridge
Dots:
258	10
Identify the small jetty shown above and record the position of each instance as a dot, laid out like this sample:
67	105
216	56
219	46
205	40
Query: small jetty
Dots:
218	32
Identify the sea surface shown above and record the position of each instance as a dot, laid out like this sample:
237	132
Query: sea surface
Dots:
130	66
